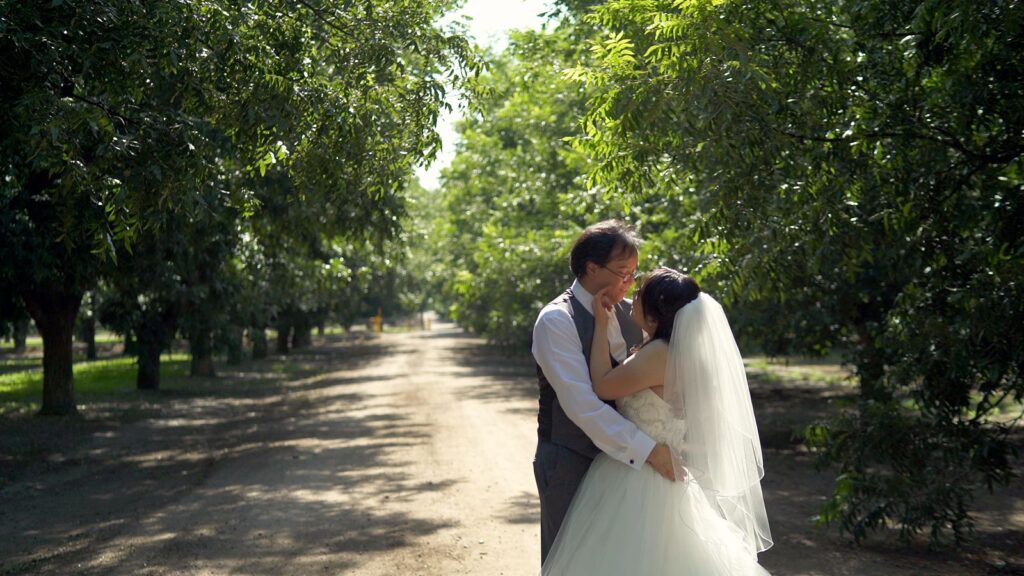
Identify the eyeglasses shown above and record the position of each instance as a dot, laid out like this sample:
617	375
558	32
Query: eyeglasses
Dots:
627	277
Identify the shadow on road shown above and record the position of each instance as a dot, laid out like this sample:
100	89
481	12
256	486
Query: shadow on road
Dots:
491	373
158	462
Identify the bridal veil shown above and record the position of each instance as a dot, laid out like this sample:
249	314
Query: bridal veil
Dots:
706	385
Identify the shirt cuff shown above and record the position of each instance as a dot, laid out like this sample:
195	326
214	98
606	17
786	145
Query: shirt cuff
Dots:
639	450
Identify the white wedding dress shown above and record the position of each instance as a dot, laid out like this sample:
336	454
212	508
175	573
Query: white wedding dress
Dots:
627	522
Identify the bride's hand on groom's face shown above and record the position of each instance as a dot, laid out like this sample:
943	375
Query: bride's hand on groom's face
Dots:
602	305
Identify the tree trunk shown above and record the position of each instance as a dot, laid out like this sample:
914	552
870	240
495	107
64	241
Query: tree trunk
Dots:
201	346
234	344
258	337
129	345
20	335
55	312
283	336
302	338
89	336
302	335
202	366
148	376
320	329
153	336
870	367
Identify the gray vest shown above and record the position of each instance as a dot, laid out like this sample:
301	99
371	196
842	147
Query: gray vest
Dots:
553	424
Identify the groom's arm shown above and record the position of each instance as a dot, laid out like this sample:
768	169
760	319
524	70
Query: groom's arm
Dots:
559	353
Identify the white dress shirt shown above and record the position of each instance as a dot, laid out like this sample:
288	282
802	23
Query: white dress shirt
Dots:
559	353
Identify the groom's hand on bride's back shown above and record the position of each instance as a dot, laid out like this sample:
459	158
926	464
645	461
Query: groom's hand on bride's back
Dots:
661	460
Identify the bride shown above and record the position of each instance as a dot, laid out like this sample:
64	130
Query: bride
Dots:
686	387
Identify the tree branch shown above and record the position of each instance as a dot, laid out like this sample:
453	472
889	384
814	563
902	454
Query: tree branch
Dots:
852	29
106	109
949	141
327	22
987	158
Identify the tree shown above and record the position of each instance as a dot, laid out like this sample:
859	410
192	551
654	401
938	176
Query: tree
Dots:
94	140
173	278
115	113
14	321
856	173
87	324
515	194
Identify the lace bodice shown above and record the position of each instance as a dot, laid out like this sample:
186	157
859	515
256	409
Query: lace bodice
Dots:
654	416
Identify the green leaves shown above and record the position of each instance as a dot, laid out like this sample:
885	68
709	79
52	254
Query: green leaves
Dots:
138	126
617	52
515	194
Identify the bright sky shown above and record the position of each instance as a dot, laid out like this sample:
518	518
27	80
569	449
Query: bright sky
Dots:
489	23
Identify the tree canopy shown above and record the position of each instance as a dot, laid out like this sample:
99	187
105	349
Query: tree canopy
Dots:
125	119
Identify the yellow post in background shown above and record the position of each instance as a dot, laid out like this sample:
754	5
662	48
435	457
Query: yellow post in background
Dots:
377	322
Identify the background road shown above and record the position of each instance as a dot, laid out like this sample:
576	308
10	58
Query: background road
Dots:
413	462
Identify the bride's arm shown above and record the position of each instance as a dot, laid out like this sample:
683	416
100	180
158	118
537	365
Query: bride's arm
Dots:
645	369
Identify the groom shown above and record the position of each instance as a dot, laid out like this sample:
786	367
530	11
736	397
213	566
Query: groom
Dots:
573	423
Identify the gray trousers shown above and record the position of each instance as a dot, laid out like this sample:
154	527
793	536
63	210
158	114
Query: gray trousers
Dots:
558	471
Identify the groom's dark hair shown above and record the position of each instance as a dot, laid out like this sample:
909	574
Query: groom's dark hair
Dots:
600	242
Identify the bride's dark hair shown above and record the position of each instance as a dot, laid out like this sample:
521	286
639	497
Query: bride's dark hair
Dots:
662	293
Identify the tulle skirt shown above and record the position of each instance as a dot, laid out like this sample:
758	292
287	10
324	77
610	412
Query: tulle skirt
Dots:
626	522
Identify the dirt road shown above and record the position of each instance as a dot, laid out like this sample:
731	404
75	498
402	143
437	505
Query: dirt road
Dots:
408	454
413	463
